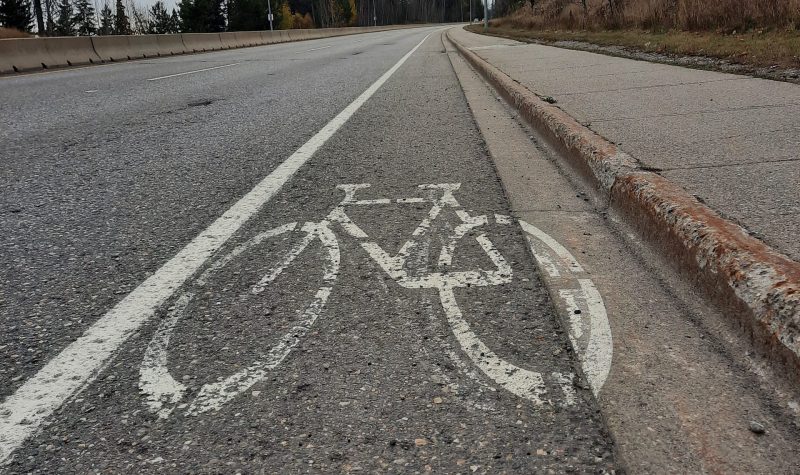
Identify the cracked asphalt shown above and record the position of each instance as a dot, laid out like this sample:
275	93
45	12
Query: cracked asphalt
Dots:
107	176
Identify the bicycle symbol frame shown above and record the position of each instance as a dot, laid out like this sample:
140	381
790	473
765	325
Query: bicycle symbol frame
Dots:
164	393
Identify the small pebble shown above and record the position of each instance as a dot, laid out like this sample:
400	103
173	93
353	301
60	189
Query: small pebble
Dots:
756	427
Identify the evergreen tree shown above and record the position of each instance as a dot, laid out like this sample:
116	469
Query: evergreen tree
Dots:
65	21
216	17
202	16
174	22
160	20
16	14
84	18
121	24
247	15
106	21
188	16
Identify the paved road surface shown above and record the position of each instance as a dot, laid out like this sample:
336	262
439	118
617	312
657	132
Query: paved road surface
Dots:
350	343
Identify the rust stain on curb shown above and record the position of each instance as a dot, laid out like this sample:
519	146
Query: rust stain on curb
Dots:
758	285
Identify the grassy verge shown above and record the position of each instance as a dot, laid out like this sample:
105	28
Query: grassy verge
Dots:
761	48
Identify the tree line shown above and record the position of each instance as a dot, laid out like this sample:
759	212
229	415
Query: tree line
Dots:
80	17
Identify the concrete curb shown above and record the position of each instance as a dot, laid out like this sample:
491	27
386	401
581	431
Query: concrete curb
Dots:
744	276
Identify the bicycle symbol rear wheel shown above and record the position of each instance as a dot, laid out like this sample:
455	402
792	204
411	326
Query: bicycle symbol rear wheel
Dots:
164	393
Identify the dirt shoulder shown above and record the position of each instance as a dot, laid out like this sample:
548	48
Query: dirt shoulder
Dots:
771	55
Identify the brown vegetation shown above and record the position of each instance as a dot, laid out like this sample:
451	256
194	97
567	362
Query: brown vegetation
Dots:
690	15
759	48
750	32
12	33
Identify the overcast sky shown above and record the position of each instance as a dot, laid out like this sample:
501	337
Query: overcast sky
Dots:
170	4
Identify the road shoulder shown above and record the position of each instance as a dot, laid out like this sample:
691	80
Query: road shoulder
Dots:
656	400
755	283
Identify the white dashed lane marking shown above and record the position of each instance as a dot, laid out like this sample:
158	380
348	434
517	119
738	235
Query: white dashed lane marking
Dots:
192	72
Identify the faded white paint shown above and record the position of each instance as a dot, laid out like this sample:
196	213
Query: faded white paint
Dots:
521	382
589	330
503	219
575	319
565	381
192	72
597	360
563	254
317	49
163	392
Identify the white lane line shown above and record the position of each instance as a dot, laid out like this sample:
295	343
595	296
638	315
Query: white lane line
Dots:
192	72
22	413
317	49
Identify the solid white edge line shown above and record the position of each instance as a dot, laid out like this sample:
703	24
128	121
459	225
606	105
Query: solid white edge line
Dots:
192	72
69	372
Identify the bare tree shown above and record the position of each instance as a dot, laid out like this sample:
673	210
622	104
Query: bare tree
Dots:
140	17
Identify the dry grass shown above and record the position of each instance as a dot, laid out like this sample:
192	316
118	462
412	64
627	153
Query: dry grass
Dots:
692	15
12	33
752	32
760	48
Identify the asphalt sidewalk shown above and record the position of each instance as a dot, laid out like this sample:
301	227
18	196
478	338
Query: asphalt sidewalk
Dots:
731	141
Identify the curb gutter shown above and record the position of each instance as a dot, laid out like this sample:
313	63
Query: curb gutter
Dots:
756	284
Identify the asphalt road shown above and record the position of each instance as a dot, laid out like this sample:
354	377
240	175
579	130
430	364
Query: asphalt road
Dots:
396	331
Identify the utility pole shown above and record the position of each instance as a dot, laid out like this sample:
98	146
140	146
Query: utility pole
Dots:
374	14
485	15
269	14
470	12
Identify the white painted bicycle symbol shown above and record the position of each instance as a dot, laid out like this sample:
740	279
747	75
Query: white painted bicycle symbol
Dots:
164	393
